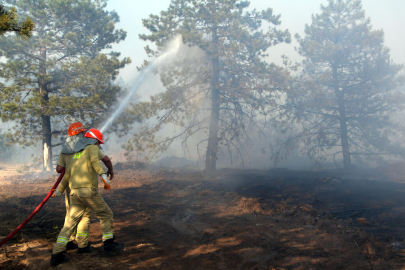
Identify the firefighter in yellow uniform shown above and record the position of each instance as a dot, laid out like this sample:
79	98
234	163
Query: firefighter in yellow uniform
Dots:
81	232
82	178
75	132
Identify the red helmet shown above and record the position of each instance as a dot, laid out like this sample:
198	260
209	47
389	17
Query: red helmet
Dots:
95	134
75	128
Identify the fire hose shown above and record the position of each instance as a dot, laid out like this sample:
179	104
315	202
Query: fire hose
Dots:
35	211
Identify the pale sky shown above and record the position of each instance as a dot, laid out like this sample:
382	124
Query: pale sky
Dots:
387	15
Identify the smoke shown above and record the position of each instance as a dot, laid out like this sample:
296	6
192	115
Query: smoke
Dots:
170	52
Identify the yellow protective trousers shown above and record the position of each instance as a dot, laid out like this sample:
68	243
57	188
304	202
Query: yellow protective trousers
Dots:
81	231
80	199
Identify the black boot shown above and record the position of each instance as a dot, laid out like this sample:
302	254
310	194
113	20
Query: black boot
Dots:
70	245
87	249
110	246
59	258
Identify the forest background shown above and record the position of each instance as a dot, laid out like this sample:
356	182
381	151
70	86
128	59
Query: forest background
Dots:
294	16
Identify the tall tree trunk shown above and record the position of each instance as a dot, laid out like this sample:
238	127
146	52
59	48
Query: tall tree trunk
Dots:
47	142
347	163
212	148
46	119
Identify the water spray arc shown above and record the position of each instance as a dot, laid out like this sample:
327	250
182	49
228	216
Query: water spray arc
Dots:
173	48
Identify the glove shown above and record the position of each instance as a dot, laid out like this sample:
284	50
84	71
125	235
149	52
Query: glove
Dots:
110	174
107	185
56	193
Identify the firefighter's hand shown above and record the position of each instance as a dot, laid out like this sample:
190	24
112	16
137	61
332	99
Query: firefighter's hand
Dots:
110	173
107	185
57	193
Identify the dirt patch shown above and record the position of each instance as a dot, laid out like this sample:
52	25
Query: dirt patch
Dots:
168	219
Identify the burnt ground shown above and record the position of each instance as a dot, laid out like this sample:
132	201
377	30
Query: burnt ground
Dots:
236	219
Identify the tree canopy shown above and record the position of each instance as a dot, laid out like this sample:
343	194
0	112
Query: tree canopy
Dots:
348	91
217	87
59	75
9	23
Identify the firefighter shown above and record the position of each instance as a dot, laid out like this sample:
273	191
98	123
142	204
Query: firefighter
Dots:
82	178
81	232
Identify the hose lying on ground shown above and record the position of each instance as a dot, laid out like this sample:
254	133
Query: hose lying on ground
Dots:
35	211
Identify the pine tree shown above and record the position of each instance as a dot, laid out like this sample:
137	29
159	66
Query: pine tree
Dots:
349	86
7	151
9	23
59	75
218	90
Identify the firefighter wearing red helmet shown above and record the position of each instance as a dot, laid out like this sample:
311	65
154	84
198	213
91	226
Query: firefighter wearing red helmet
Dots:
75	128
76	132
95	134
82	179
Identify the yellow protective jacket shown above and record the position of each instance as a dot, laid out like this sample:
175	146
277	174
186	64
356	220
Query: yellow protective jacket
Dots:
83	170
65	159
